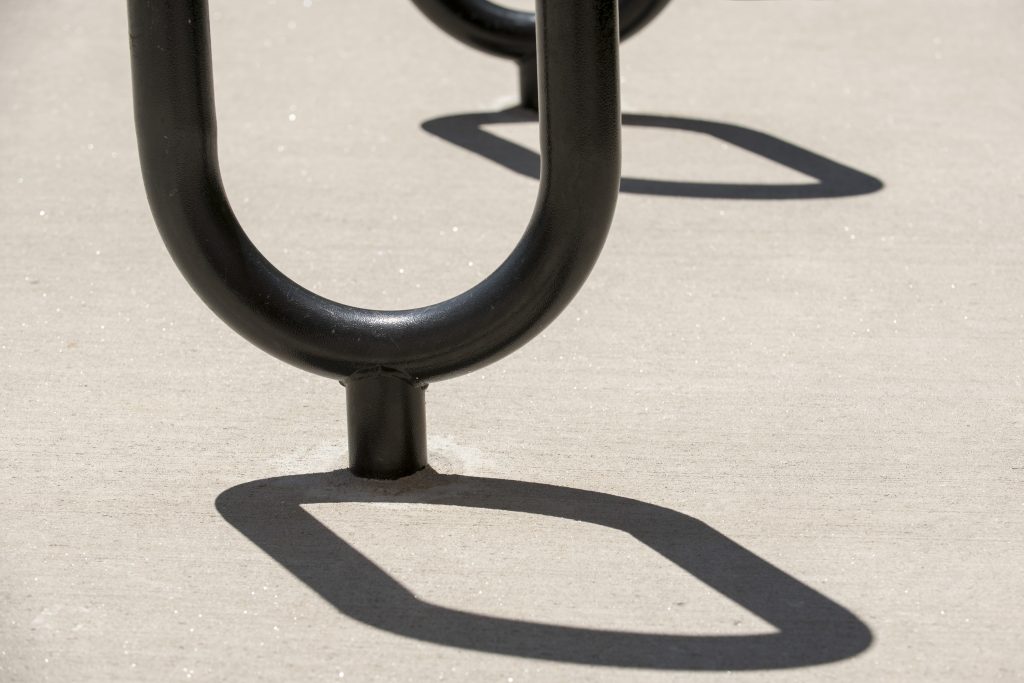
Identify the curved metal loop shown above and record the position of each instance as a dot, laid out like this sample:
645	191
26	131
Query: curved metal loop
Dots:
580	151
506	32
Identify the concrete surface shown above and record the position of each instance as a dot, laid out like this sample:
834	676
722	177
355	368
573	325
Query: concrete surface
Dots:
776	431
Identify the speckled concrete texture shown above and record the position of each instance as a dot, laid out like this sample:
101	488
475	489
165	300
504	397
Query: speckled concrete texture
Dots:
780	432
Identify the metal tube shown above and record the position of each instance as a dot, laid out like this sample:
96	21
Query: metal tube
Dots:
510	33
528	82
580	152
385	357
387	426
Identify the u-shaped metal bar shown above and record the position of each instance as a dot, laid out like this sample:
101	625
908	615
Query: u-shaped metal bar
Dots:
580	151
510	33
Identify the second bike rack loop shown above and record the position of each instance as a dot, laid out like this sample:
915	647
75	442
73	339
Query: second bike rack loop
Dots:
511	33
385	359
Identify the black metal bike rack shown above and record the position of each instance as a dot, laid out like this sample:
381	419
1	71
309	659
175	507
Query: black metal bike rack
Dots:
512	34
385	359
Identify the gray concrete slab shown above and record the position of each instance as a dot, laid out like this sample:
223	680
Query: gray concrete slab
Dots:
823	397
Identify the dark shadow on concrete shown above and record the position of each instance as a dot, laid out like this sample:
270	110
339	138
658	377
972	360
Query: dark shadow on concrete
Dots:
811	629
832	178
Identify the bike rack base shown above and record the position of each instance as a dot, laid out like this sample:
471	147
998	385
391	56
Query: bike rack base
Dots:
387	426
528	83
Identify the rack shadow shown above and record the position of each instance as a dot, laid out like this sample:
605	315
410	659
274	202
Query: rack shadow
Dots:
811	629
833	179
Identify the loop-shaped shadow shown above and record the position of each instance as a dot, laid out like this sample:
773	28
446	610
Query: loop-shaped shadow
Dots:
832	178
811	629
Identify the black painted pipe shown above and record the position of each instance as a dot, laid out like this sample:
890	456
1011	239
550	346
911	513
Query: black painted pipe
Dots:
510	33
385	358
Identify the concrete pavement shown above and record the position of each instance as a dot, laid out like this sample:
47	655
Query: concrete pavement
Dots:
780	432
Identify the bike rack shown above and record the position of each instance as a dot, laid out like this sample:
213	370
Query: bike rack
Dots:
385	359
512	34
